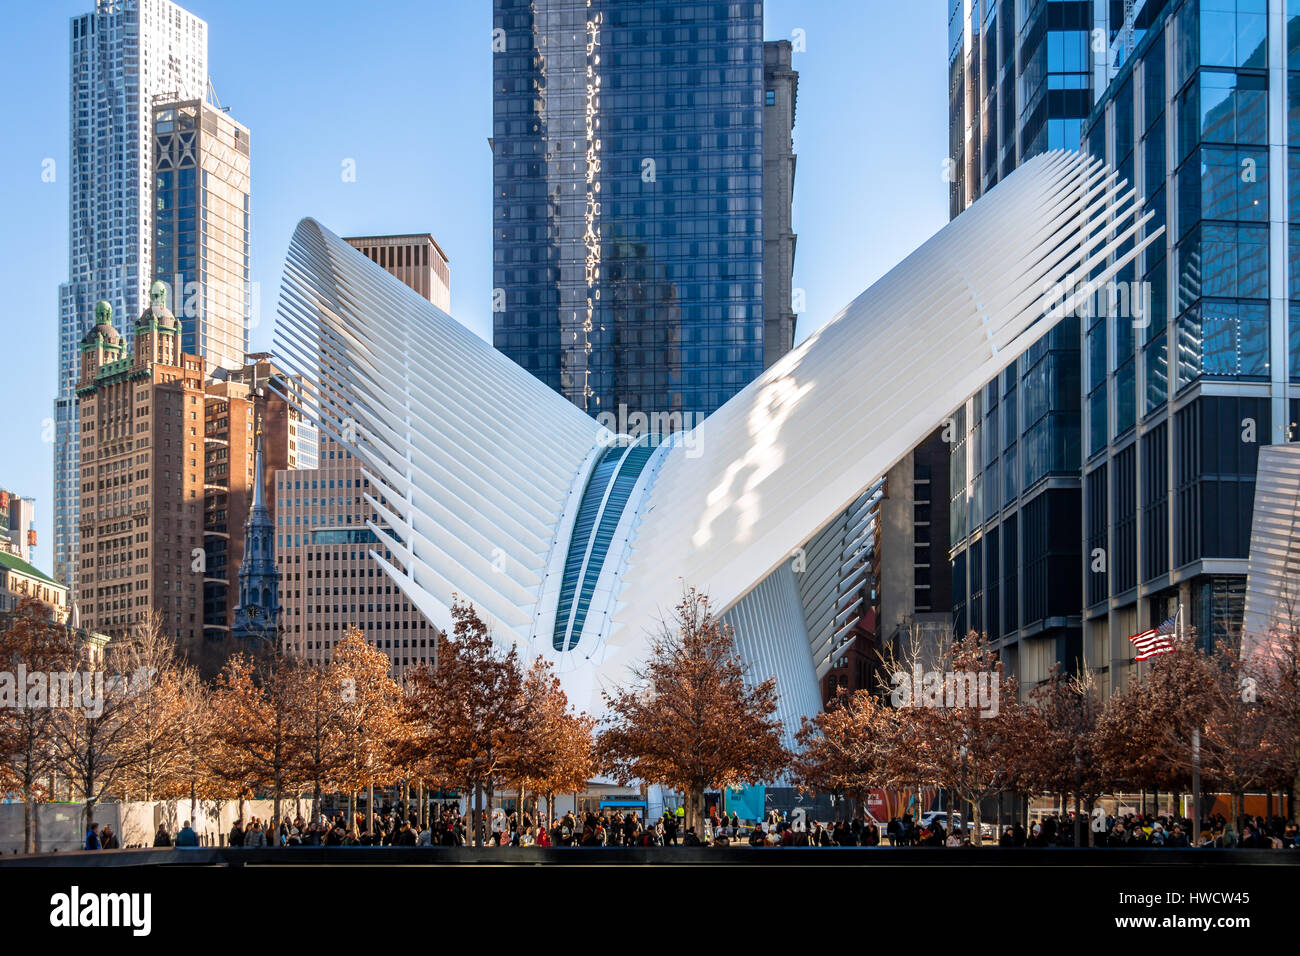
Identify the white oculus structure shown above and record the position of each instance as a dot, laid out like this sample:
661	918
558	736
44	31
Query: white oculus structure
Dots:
575	543
1272	610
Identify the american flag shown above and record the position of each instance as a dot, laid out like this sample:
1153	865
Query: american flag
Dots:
1158	640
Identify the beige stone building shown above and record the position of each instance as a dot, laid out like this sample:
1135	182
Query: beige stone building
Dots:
167	472
416	259
328	581
142	420
19	580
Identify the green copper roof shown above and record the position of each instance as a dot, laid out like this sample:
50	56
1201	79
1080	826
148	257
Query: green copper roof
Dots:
15	563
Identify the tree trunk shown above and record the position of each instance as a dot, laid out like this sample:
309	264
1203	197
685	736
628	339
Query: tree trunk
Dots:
315	801
490	793
29	808
1078	822
370	806
194	800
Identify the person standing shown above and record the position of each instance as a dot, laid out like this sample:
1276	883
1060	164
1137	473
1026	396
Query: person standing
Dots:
187	836
162	837
92	837
253	839
871	834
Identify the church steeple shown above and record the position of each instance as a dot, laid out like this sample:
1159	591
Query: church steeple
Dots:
257	617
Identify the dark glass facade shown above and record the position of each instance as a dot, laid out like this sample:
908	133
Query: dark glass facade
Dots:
628	199
1021	83
1180	399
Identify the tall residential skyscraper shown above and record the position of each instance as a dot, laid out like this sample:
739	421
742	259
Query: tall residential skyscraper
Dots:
121	56
201	225
628	199
416	259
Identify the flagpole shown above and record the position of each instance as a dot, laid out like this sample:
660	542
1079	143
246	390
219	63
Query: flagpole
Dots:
1196	786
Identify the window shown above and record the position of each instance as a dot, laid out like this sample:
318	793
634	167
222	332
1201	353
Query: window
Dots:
771	97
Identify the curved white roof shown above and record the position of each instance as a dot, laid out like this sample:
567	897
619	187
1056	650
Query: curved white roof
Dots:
482	470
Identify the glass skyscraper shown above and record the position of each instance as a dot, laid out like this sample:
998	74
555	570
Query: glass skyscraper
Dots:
1106	481
1023	78
1203	118
628	199
202	213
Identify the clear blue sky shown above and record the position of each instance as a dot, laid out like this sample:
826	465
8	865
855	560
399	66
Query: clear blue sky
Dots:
404	88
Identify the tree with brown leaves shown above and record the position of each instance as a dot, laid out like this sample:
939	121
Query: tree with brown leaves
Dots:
1274	663
557	753
467	718
1135	730
94	739
692	721
1065	711
977	748
370	717
198	777
1215	693
31	641
258	742
319	699
844	750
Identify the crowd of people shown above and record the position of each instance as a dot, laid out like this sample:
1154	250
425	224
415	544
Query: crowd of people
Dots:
1157	830
448	826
